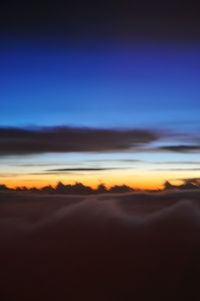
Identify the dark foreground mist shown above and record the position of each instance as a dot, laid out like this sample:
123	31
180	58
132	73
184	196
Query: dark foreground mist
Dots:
135	246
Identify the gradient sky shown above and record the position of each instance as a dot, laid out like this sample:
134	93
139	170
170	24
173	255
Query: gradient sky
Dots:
124	80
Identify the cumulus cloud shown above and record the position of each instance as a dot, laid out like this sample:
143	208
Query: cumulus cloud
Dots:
106	247
18	141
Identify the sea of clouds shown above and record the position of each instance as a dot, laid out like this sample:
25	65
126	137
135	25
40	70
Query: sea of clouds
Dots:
135	246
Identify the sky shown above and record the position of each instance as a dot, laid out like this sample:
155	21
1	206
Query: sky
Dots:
99	93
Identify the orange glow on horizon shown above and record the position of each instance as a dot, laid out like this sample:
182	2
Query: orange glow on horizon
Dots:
13	183
139	179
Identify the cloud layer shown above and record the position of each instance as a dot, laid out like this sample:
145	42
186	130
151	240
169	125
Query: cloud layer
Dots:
181	148
17	141
63	139
109	247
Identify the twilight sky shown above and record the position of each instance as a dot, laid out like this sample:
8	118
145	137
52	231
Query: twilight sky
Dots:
99	94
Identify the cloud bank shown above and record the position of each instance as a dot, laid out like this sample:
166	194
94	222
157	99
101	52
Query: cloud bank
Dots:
63	139
18	141
135	246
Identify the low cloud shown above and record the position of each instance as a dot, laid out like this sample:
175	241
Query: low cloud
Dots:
17	141
41	140
81	169
62	171
191	180
181	148
106	247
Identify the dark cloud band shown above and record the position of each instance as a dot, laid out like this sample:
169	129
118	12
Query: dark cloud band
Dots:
18	141
181	148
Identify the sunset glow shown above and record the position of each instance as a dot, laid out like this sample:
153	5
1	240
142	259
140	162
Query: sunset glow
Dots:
99	150
117	114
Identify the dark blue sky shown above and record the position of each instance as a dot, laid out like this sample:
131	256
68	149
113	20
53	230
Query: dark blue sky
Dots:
113	67
130	85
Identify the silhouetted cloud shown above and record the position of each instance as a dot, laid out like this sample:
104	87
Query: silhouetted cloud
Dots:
40	140
117	160
81	169
18	141
62	171
188	184
42	164
181	148
191	180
